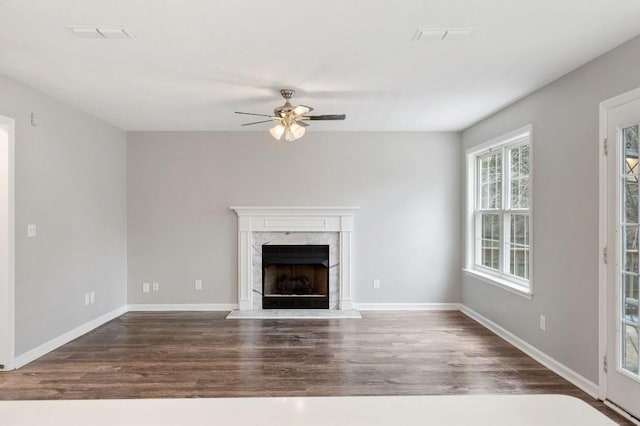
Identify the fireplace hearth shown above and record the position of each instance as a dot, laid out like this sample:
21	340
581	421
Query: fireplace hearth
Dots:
295	276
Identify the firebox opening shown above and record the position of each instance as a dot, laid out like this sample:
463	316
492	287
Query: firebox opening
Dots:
295	276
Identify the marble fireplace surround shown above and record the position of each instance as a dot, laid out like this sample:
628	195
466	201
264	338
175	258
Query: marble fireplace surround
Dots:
294	225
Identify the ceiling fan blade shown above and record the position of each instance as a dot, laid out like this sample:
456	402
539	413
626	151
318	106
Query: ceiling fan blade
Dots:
257	122
301	123
250	113
325	117
302	110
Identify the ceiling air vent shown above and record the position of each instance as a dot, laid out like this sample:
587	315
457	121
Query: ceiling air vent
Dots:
85	31
441	34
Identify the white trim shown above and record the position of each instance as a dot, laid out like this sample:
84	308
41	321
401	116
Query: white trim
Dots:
505	139
65	338
616	101
603	220
621	411
503	142
544	359
294	314
499	282
184	307
408	306
602	243
294	210
294	219
558	368
9	308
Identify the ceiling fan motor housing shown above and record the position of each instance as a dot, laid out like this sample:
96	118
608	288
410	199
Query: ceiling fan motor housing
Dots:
283	111
287	93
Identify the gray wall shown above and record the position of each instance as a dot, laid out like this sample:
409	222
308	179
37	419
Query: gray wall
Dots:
181	185
565	153
71	183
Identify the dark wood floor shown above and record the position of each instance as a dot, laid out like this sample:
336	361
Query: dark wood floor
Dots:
186	355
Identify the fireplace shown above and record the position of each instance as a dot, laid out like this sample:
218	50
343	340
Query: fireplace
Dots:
259	226
295	276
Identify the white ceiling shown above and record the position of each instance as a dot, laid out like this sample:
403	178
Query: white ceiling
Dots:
194	62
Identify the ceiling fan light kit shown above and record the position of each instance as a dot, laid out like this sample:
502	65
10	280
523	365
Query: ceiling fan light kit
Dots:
277	131
290	120
291	132
295	131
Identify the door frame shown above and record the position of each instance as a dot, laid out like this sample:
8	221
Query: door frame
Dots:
8	319
603	219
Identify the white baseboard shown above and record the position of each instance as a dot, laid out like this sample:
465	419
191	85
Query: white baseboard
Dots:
555	366
620	411
544	359
65	338
174	307
407	306
45	348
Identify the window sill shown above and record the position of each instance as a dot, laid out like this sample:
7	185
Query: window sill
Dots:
500	282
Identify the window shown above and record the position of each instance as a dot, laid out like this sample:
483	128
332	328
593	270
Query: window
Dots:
499	206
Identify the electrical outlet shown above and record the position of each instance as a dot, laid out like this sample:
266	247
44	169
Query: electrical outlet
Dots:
31	231
145	287
92	296
156	286
543	323
87	299
198	284
376	283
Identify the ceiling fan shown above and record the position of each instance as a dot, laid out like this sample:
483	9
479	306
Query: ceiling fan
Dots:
290	120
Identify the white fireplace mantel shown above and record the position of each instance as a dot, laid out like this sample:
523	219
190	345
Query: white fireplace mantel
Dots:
293	219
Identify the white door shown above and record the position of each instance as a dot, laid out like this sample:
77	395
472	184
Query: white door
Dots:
623	245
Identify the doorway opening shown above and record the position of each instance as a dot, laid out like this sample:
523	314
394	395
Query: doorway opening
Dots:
7	243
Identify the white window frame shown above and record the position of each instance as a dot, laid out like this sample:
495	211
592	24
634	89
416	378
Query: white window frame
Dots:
501	278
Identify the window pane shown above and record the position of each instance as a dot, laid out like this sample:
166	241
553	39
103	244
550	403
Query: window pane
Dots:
630	261
519	178
630	348
630	141
630	165
484	192
630	296
630	188
630	248
630	237
491	181
490	241
519	246
629	321
630	178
